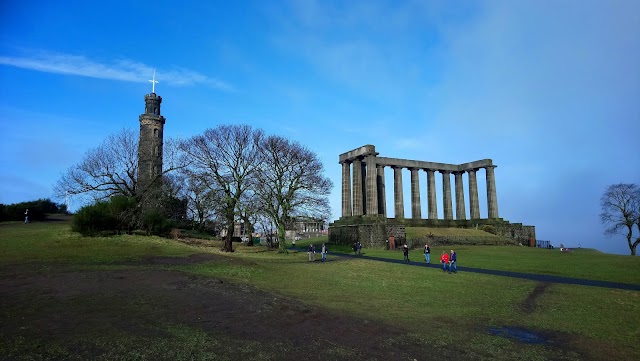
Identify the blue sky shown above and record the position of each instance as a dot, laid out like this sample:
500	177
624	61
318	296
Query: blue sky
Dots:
549	90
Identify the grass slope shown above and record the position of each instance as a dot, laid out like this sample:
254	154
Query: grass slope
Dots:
437	309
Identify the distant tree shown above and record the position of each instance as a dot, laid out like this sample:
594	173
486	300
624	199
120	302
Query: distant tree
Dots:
621	212
291	183
38	210
224	159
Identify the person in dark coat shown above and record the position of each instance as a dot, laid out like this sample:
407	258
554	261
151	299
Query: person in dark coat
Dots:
427	253
312	252
453	264
405	251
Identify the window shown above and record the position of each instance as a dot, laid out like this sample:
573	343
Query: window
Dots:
155	132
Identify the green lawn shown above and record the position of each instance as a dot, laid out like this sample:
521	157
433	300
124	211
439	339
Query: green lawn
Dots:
438	308
55	242
579	263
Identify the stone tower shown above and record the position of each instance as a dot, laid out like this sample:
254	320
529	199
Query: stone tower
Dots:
150	145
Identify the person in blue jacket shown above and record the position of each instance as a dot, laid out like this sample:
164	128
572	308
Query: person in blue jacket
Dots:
453	264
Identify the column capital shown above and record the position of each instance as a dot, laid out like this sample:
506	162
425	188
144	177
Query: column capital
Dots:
444	171
489	166
456	172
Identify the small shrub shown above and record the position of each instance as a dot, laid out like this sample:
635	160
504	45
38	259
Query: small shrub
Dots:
94	219
175	233
490	229
154	222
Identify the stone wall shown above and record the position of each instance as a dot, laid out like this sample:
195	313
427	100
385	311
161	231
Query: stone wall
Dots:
517	232
370	235
375	231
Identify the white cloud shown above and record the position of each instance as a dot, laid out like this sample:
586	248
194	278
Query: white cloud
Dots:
120	69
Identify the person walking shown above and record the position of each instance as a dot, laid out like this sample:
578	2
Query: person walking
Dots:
405	251
444	259
26	216
324	252
453	264
312	253
355	248
359	245
427	253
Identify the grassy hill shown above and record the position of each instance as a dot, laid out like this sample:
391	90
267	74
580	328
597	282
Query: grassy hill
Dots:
421	232
65	296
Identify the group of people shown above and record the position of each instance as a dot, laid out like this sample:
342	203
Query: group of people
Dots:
357	249
311	251
449	262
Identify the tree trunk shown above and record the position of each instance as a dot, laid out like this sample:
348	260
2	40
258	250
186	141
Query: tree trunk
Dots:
632	246
228	241
282	244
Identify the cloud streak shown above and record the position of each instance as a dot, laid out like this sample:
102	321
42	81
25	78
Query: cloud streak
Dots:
120	69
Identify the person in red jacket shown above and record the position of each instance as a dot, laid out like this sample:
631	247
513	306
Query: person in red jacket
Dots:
444	259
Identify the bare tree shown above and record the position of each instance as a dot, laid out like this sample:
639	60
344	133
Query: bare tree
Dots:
203	203
621	211
225	158
291	183
249	212
111	169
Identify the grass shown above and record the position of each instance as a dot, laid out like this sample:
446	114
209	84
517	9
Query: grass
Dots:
54	242
437	309
420	232
349	286
579	263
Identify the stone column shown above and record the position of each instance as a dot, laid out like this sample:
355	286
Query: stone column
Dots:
382	193
460	209
473	194
446	194
346	189
415	194
357	188
398	197
372	185
431	194
492	197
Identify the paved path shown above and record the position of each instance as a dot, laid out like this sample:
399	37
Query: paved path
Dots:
529	276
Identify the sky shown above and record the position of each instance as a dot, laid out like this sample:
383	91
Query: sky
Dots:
549	90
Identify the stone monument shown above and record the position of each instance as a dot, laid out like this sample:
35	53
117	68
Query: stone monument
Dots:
364	213
150	143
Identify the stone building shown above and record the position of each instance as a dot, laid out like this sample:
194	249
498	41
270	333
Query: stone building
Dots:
364	213
305	227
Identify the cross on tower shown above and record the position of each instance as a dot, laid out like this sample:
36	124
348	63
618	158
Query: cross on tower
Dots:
153	82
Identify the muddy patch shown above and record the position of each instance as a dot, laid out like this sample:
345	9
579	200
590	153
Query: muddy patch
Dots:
530	303
167	260
519	334
60	307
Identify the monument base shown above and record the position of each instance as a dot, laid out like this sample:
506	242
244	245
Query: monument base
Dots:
376	231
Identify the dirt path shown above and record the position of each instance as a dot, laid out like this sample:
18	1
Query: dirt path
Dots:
69	309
